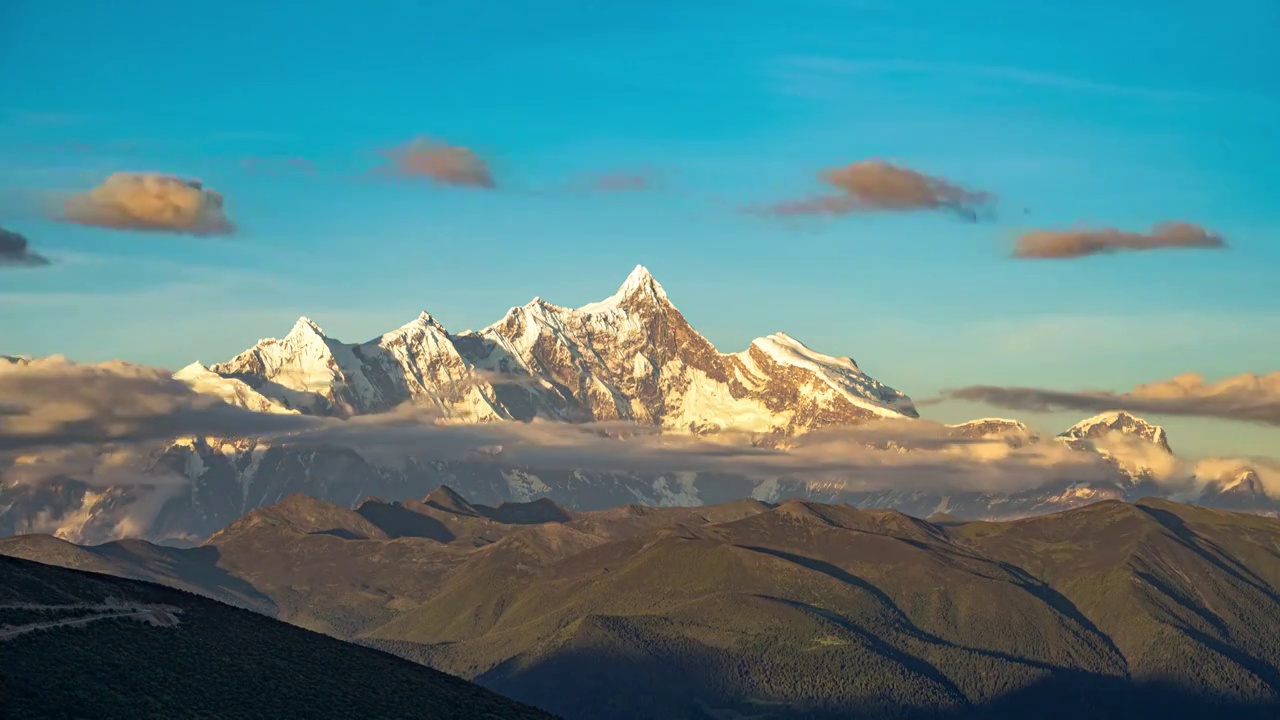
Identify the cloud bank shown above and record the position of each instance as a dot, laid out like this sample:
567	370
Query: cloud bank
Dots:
439	162
151	202
15	253
853	458
53	403
55	409
1246	398
1068	244
876	185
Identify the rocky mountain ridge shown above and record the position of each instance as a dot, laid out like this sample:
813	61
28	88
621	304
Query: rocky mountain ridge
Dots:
630	357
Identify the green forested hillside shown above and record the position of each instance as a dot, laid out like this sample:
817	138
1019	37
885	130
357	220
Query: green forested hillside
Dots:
802	609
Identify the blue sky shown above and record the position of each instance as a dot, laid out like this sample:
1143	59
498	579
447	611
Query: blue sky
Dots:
1074	113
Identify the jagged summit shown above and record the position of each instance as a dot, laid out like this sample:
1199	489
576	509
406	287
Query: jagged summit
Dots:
424	318
1240	488
1246	481
640	285
306	326
1117	421
423	323
231	390
632	357
640	280
194	369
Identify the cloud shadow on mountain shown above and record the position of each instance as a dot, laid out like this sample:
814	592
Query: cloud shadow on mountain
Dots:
586	683
397	521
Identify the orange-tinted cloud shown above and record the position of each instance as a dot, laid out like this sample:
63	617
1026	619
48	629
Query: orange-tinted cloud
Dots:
15	253
871	185
1067	244
148	201
440	163
1247	397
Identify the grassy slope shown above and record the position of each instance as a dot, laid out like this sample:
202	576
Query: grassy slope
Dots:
815	608
799	610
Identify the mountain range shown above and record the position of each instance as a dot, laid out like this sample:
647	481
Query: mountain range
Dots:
630	363
764	610
632	357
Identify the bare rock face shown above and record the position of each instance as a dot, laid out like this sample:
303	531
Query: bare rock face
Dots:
631	357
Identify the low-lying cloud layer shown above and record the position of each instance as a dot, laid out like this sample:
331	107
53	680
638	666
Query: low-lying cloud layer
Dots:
872	185
57	405
150	202
53	403
853	458
14	251
439	162
56	409
1067	244
1247	397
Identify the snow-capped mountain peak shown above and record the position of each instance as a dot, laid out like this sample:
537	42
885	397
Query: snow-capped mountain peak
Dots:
1239	488
235	392
992	422
640	286
1245	480
641	281
1014	432
305	327
425	318
790	351
1117	421
298	371
632	356
423	323
195	369
840	374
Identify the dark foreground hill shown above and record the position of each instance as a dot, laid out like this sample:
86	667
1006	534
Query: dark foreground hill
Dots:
79	645
752	610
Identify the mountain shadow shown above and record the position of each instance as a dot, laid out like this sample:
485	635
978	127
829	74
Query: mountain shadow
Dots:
77	644
398	521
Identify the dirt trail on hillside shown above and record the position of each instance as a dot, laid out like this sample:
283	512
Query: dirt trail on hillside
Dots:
156	615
